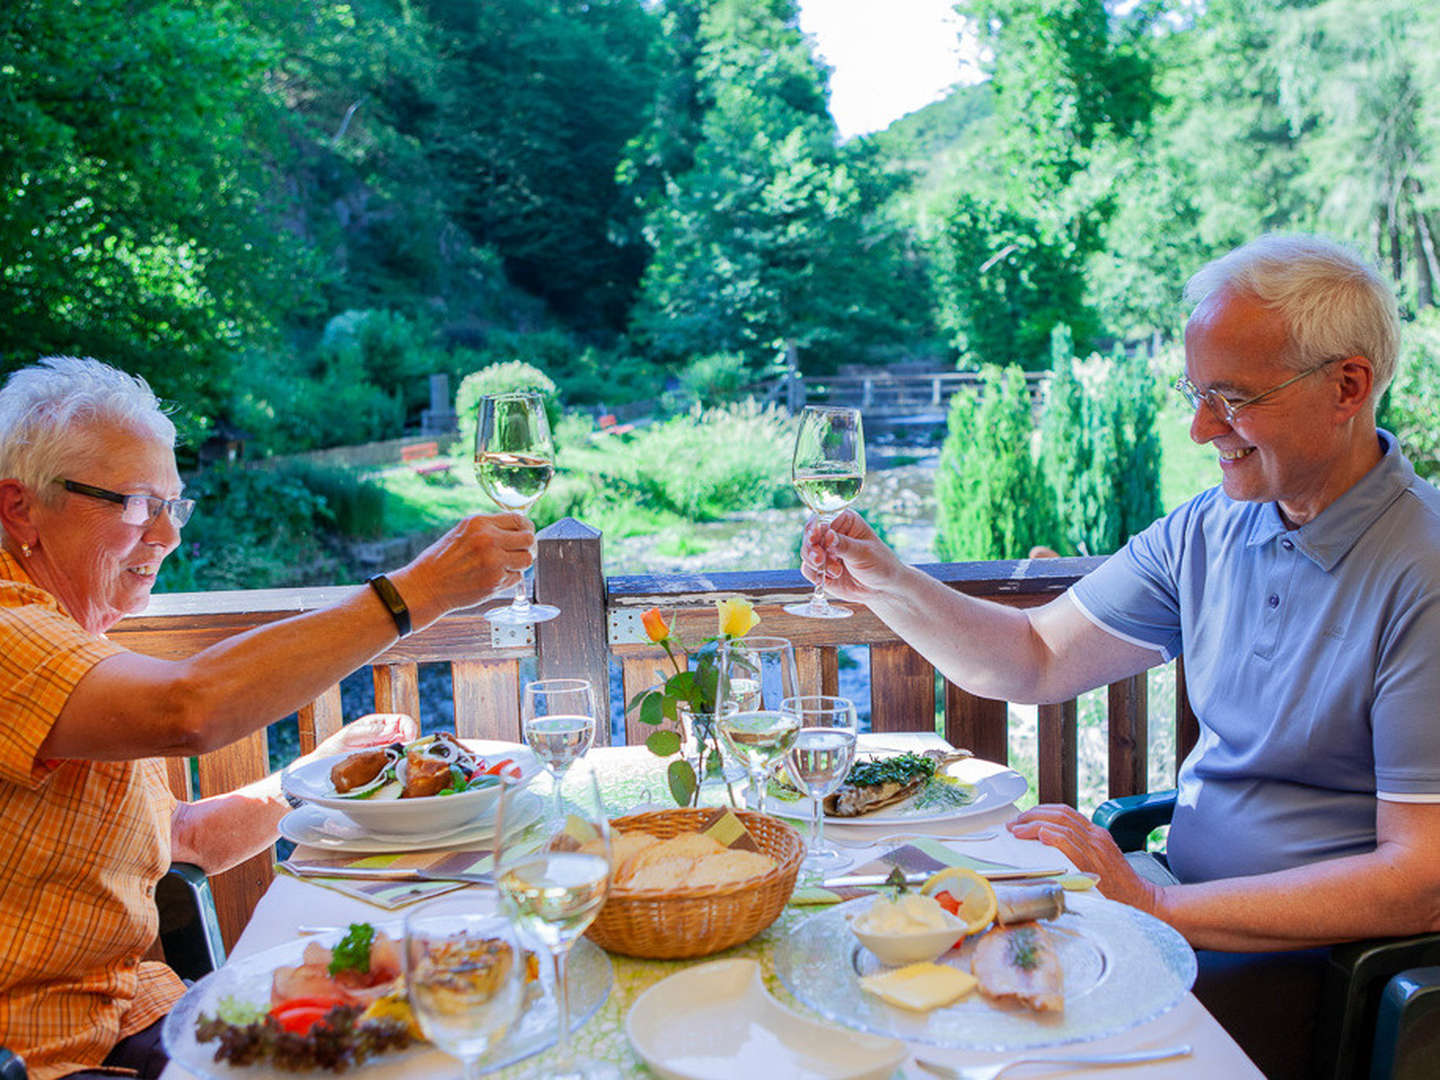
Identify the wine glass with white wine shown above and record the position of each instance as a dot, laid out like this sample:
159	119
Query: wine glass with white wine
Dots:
553	891
514	461
828	470
756	675
818	762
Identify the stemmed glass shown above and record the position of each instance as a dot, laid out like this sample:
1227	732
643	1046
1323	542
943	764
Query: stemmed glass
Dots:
464	976
818	762
558	720
756	675
554	891
514	460
828	470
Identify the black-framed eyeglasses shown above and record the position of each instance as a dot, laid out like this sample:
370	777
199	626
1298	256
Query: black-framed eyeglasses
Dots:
1226	410
137	509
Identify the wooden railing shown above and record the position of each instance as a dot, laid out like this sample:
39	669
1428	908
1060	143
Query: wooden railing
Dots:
600	621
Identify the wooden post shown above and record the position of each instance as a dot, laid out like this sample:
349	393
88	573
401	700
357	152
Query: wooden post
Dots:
1187	724
1129	734
574	644
1057	769
794	384
980	725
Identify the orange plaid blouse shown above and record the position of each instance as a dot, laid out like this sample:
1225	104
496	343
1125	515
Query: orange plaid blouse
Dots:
82	844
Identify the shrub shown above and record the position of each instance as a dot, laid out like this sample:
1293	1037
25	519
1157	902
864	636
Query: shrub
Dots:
1411	408
991	501
716	378
502	378
1100	450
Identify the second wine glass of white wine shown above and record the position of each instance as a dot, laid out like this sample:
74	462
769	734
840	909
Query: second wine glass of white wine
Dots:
514	461
828	471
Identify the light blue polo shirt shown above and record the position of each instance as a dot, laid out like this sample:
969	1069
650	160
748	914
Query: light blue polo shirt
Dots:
1312	659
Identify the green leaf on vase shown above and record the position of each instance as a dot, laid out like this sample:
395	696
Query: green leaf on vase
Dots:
682	781
663	743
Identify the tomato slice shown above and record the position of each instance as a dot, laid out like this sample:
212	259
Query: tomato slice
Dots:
504	767
299	1015
948	902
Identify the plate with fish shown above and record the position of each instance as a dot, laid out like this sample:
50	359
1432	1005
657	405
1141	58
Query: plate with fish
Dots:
1098	969
903	789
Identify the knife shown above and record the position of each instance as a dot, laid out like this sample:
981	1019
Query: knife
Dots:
386	874
1011	874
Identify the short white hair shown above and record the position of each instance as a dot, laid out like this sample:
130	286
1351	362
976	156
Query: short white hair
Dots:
1333	302
49	410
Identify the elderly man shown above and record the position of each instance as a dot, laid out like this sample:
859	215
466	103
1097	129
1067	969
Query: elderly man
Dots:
1304	593
90	507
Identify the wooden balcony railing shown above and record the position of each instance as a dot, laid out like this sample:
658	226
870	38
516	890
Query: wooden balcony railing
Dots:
600	622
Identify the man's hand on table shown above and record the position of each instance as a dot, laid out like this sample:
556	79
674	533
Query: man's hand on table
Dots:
1091	849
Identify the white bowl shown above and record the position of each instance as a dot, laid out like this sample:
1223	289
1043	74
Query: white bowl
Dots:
912	947
717	1021
431	815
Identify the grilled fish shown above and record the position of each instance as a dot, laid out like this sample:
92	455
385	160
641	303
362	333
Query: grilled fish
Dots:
874	785
1019	964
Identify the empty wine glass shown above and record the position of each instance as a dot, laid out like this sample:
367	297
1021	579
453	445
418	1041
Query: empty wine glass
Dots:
464	974
553	892
828	470
514	461
756	675
818	762
558	719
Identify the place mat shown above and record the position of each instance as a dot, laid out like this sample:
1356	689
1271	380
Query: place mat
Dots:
308	864
916	857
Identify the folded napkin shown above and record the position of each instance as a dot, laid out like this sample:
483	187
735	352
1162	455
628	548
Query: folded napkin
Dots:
310	863
918	856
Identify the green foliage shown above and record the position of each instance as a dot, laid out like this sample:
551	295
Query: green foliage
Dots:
991	501
714	378
503	378
1100	449
1411	408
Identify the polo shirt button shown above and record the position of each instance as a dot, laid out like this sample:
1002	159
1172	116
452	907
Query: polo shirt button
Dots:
1273	601
1287	544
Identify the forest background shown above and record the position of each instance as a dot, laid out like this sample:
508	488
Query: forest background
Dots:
288	215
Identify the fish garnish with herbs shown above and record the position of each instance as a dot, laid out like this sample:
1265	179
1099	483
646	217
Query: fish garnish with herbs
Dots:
874	785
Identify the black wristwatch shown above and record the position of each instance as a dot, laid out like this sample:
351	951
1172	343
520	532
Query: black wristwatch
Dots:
390	597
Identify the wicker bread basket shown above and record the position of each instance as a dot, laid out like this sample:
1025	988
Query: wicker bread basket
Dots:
672	924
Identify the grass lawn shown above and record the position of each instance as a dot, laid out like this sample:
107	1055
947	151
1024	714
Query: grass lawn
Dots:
1186	469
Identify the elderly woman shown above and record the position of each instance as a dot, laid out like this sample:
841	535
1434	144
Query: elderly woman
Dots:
90	506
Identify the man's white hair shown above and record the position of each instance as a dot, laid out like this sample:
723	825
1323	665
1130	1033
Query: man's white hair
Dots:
1334	304
50	410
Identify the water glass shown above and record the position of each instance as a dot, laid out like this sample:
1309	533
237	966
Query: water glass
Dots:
558	721
818	762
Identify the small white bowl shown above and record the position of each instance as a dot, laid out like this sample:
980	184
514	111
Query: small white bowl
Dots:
912	947
399	818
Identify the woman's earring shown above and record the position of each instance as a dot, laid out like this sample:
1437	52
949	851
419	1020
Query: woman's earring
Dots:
25	550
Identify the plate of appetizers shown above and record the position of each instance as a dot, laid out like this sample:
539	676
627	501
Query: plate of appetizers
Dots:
901	789
330	830
1098	968
268	1016
425	787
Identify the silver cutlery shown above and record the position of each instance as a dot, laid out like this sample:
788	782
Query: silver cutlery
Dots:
383	874
989	1072
1007	874
845	841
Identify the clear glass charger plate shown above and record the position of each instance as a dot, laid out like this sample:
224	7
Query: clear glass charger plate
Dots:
589	976
1122	968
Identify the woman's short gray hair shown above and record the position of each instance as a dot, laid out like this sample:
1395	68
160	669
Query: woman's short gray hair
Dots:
1334	303
47	409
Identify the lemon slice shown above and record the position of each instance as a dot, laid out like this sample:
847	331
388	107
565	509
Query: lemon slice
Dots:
972	893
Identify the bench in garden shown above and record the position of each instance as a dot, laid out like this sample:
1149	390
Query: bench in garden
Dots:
423	457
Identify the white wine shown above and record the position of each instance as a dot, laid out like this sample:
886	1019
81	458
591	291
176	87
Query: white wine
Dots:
759	738
514	481
827	491
556	894
820	759
744	694
559	740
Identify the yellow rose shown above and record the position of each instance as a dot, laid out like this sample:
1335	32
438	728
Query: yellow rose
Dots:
655	628
737	617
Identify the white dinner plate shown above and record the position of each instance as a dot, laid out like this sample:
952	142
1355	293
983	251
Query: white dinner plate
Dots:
330	830
589	977
994	786
1122	968
717	1021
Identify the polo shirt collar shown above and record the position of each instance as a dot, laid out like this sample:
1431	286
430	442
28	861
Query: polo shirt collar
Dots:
1327	538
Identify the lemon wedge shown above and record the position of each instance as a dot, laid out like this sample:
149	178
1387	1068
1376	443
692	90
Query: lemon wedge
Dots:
974	898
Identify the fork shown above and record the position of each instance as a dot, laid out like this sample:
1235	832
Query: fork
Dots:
989	1072
844	841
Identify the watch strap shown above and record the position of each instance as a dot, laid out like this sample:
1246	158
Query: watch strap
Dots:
394	603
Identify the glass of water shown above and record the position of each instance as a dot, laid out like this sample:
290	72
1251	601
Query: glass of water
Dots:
558	718
818	761
464	974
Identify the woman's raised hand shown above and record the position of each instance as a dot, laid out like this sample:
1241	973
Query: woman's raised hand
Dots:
857	565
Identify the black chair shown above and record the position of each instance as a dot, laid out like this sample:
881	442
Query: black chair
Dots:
189	936
1380	1004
